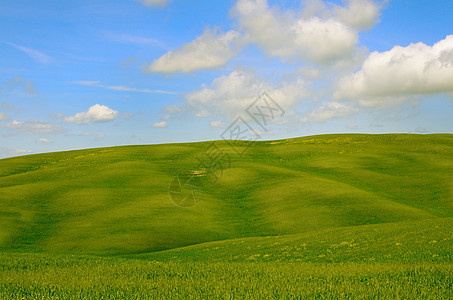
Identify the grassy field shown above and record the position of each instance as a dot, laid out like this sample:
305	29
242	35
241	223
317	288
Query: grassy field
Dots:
349	216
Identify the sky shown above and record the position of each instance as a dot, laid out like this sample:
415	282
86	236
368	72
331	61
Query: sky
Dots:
86	74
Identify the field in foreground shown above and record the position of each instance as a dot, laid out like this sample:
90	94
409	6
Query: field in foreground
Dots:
334	216
407	261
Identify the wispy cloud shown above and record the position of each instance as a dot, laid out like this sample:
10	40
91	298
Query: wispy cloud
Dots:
155	2
34	54
4	117
34	127
20	82
133	39
122	88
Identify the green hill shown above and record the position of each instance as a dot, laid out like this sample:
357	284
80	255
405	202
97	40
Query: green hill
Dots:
331	217
115	200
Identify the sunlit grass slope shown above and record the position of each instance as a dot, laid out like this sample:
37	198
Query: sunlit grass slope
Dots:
426	241
115	200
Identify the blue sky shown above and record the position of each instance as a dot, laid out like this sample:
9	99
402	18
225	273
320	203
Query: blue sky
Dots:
82	74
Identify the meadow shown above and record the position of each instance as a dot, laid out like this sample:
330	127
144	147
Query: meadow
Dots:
328	216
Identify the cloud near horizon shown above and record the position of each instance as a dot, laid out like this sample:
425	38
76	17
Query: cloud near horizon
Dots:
329	110
34	127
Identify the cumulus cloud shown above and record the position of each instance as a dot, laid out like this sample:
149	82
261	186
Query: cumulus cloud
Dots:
43	141
329	110
232	94
362	14
35	127
321	38
23	151
315	33
4	117
95	114
390	78
162	124
210	50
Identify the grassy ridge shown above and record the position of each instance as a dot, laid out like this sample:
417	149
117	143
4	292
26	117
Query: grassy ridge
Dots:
408	242
115	200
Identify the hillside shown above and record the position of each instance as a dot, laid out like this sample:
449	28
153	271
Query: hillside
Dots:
111	201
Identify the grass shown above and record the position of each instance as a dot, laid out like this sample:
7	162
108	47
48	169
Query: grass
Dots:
38	276
330	216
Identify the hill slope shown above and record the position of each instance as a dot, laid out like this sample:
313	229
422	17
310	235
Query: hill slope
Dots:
115	200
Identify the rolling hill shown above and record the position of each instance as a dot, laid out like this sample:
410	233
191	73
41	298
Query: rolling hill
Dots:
115	201
329	216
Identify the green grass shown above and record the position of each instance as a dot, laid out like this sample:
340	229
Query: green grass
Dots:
38	276
359	216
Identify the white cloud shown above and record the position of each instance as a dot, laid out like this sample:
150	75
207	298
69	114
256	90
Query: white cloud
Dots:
155	2
36	55
329	110
43	141
216	124
352	126
392	77
162	124
95	114
121	88
362	14
231	94
23	151
35	127
255	132
421	130
210	50
100	136
288	35
4	117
